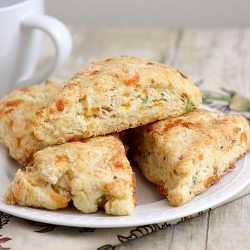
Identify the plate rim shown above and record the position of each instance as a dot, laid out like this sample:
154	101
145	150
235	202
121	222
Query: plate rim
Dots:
97	220
241	180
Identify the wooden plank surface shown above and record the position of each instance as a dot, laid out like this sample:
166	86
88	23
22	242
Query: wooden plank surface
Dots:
199	54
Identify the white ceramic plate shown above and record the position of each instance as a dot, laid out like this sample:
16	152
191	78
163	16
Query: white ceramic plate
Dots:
152	206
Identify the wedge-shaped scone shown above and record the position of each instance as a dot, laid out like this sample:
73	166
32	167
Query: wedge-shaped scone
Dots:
29	189
185	155
17	113
91	173
112	95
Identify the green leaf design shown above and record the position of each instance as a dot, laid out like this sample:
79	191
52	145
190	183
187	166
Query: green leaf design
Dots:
106	247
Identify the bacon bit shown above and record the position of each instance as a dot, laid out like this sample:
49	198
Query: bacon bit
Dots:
116	75
170	174
51	111
183	97
11	123
32	134
60	105
73	138
8	111
181	157
133	81
169	126
217	178
107	109
152	80
209	181
38	113
118	164
162	190
48	82
109	186
184	76
14	102
109	60
212	179
95	72
18	140
179	123
231	166
243	138
60	159
24	89
150	63
201	157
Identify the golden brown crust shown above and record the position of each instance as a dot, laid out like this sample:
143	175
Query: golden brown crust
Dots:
91	173
112	95
17	113
185	155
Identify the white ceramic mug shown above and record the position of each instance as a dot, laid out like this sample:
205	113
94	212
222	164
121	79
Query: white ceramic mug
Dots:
21	23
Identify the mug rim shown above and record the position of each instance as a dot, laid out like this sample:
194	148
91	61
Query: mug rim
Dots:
16	5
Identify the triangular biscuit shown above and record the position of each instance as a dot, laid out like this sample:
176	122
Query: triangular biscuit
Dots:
113	95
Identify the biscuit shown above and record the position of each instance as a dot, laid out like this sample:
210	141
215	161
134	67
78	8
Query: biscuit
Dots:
29	189
113	95
17	113
92	173
183	156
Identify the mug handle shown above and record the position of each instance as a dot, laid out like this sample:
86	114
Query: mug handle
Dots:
62	41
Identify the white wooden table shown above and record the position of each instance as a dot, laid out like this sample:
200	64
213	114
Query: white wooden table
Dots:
199	54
